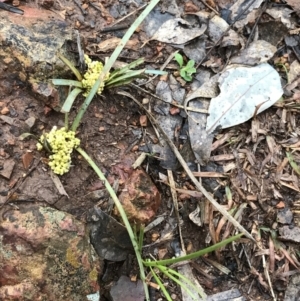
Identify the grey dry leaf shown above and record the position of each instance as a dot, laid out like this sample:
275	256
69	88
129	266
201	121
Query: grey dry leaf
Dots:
200	141
295	4
216	28
243	91
258	52
58	184
294	71
248	16
177	31
284	14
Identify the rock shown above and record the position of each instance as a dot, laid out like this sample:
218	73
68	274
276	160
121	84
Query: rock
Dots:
28	47
45	254
7	119
230	295
140	198
30	122
292	292
285	216
291	234
5	111
127	290
109	238
7	169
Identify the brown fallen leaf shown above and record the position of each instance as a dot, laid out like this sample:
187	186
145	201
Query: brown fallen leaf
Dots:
27	160
112	43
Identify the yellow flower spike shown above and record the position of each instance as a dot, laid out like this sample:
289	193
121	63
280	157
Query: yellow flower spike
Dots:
62	144
91	75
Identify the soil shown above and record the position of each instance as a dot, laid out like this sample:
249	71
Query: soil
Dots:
111	133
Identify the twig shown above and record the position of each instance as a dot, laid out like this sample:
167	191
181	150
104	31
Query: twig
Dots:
162	67
208	6
172	103
79	6
80	51
114	28
175	203
132	13
256	22
95	6
189	172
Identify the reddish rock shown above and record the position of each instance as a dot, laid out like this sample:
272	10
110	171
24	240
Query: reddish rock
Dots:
28	51
127	290
140	198
45	254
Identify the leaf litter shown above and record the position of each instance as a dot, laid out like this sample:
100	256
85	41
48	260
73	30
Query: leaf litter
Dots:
247	132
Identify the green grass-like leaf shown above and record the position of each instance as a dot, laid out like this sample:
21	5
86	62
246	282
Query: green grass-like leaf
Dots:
162	287
169	272
125	69
195	254
129	75
108	65
71	66
67	82
293	163
70	100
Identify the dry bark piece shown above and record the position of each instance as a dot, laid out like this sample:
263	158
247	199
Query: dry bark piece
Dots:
112	43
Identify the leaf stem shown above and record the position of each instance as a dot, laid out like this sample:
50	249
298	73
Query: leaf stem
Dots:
123	216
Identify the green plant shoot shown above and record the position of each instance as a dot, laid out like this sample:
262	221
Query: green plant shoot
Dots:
186	71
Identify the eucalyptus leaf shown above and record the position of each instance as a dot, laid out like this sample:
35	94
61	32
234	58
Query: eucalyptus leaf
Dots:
293	163
244	92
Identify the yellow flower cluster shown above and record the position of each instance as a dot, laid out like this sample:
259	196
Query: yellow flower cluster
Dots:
91	75
62	143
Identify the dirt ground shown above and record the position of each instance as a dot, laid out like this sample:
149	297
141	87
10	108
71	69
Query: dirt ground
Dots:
111	133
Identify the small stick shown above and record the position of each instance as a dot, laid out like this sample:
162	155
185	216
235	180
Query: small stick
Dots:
125	17
208	6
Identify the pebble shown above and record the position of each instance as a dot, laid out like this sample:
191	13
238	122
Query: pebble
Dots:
5	111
